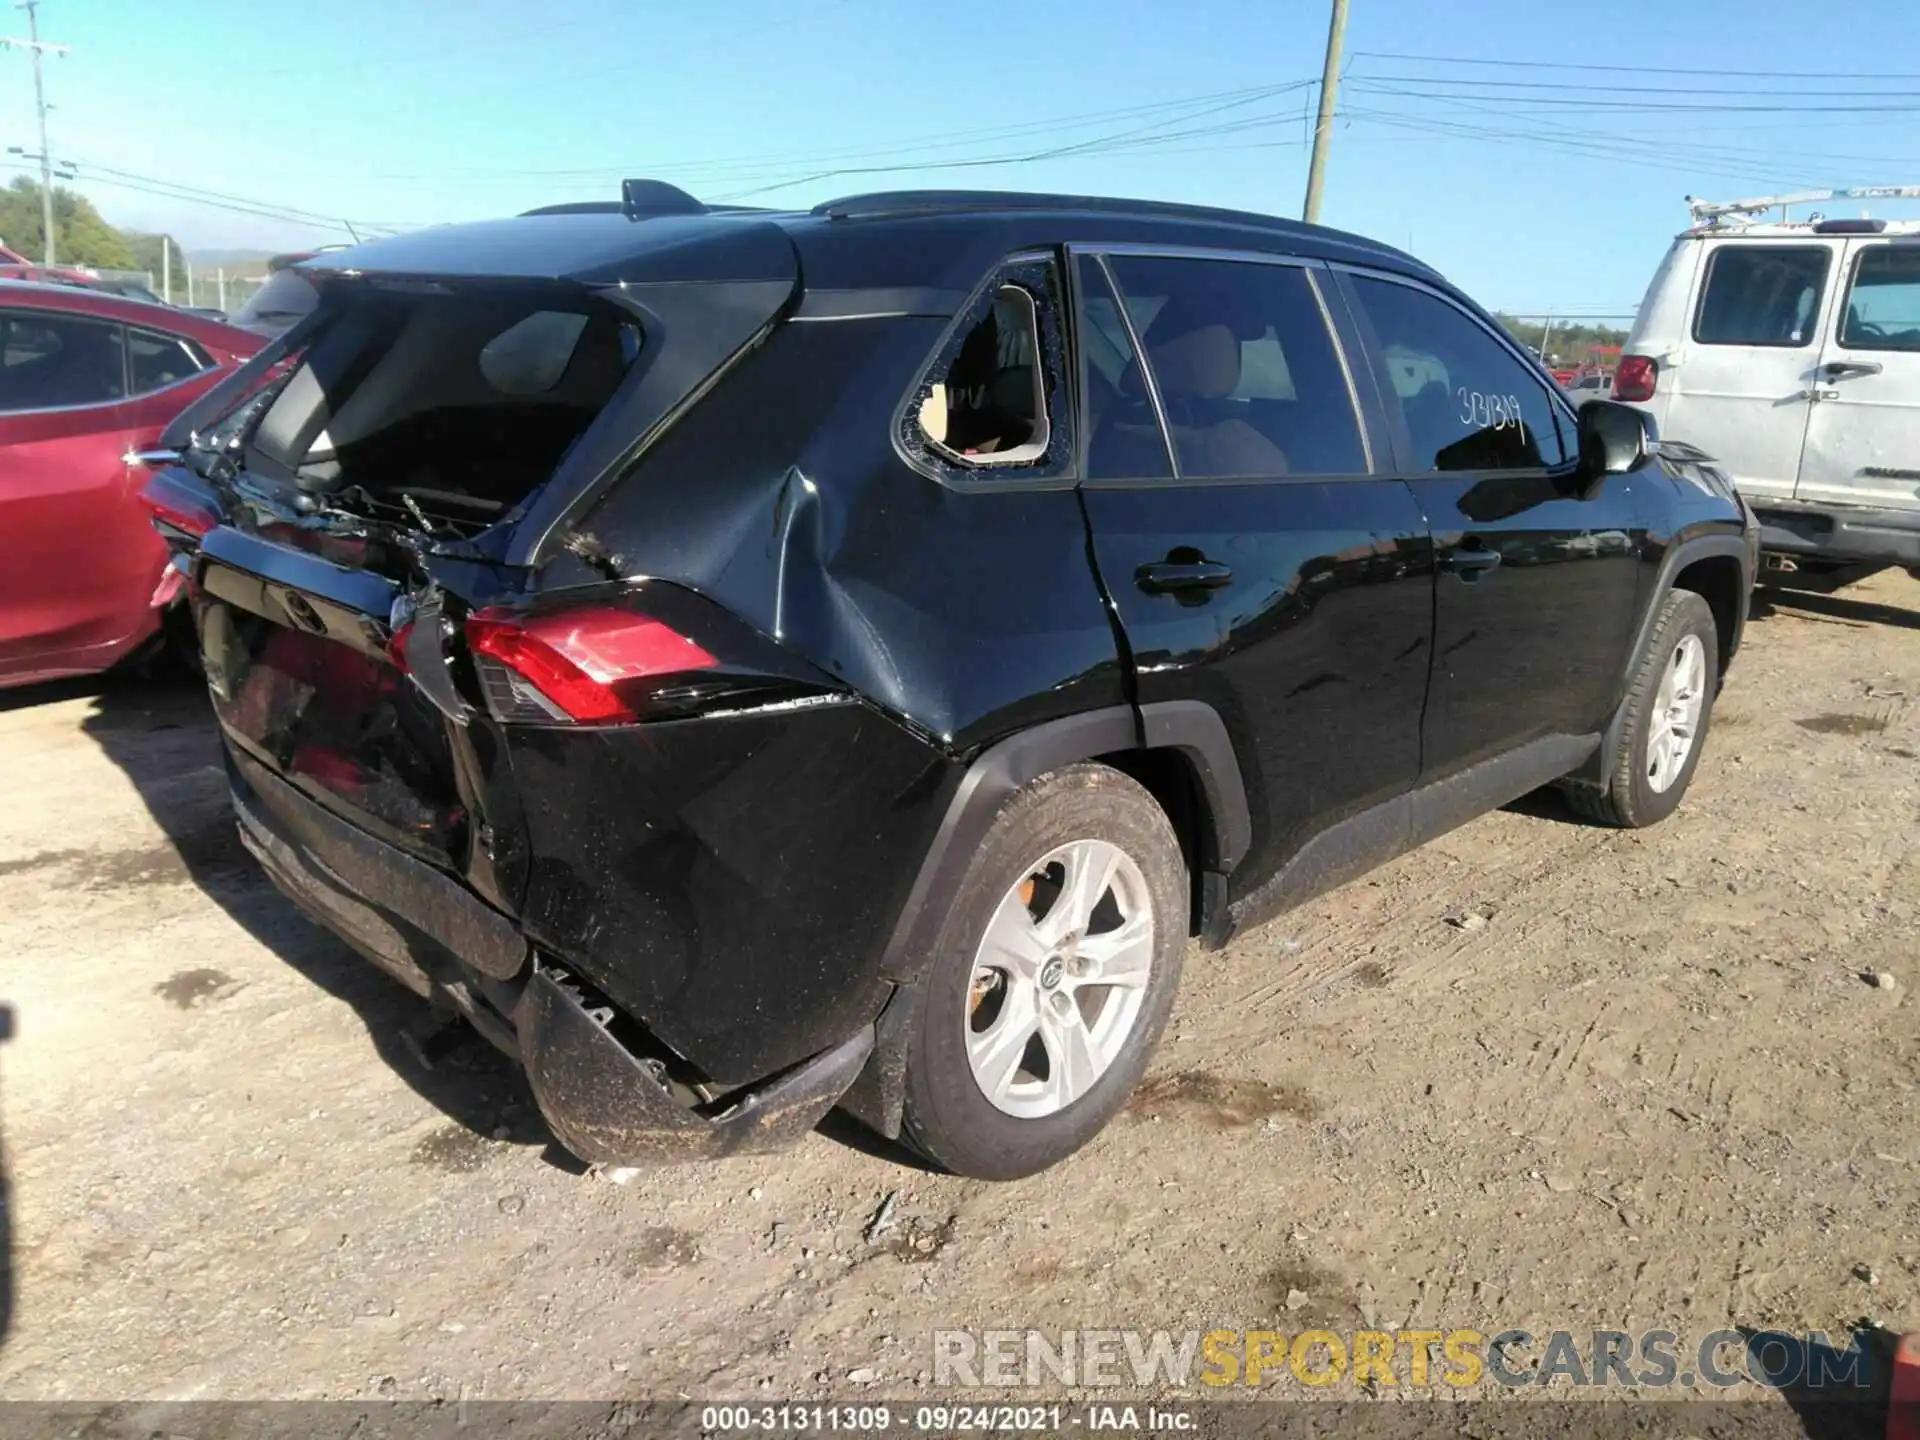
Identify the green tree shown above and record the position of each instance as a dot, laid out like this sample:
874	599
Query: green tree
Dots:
81	235
150	255
1569	340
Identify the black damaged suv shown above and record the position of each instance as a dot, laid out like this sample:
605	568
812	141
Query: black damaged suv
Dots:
748	662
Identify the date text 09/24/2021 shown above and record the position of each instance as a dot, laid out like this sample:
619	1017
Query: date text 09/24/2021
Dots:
942	1419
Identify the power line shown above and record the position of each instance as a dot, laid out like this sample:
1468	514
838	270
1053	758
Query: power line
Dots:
1738	162
216	200
1637	69
776	163
1629	155
1101	145
1666	142
288	212
1613	88
1644	106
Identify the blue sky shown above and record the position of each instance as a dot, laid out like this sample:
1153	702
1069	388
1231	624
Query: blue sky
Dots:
1533	186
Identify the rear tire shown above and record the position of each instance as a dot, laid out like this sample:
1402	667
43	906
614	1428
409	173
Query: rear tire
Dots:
1019	1053
1669	706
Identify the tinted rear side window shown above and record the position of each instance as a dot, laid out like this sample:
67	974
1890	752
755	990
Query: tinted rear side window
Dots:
1246	367
56	361
1468	401
1883	303
1761	295
161	360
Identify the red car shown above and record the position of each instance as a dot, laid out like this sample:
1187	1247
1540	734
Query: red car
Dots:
86	279
87	381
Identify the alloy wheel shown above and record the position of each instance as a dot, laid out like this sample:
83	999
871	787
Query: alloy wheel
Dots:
1677	708
1059	979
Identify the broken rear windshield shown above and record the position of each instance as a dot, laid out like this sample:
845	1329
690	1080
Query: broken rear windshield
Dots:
448	402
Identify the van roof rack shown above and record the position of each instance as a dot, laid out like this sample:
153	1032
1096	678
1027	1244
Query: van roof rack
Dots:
1713	213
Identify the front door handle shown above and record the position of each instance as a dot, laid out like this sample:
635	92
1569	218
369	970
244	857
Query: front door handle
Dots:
1178	577
1469	563
1841	369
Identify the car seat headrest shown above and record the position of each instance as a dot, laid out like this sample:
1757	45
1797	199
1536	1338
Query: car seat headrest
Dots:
1202	364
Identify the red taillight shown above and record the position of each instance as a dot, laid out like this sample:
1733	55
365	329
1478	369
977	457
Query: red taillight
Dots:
586	662
397	648
1635	378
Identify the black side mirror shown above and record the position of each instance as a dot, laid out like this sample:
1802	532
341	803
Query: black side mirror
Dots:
1614	439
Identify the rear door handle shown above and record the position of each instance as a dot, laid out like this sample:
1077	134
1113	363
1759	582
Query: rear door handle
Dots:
1174	577
1840	369
1469	564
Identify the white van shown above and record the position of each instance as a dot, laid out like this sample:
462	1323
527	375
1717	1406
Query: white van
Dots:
1790	352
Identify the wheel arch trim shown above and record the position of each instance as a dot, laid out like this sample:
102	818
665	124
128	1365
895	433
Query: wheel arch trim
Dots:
1191	727
1678	556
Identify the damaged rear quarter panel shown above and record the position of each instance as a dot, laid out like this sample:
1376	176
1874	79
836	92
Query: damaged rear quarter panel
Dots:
728	879
737	880
968	612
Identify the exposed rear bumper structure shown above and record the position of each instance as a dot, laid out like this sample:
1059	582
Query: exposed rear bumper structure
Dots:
604	1101
1843	533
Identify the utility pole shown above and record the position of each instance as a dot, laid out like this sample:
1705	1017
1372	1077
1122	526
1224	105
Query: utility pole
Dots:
1323	124
38	48
166	268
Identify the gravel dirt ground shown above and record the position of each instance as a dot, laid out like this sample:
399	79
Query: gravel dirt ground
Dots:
1536	1075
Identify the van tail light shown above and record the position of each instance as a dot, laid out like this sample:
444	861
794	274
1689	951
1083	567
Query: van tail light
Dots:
1635	378
594	665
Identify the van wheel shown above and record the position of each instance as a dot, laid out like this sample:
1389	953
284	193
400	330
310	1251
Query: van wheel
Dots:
1668	712
1052	978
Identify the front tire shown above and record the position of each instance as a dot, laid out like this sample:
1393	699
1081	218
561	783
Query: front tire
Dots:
1052	978
1668	712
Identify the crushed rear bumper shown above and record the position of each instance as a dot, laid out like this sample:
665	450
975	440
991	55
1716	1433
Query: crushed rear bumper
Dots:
1843	533
604	1101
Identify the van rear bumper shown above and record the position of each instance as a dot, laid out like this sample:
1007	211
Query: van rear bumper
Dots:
1843	533
603	1100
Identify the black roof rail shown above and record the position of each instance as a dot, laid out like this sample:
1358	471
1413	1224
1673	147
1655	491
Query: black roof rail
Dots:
638	200
579	207
909	202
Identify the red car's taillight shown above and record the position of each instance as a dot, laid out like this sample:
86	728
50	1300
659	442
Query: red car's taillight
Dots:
177	513
591	665
1635	378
